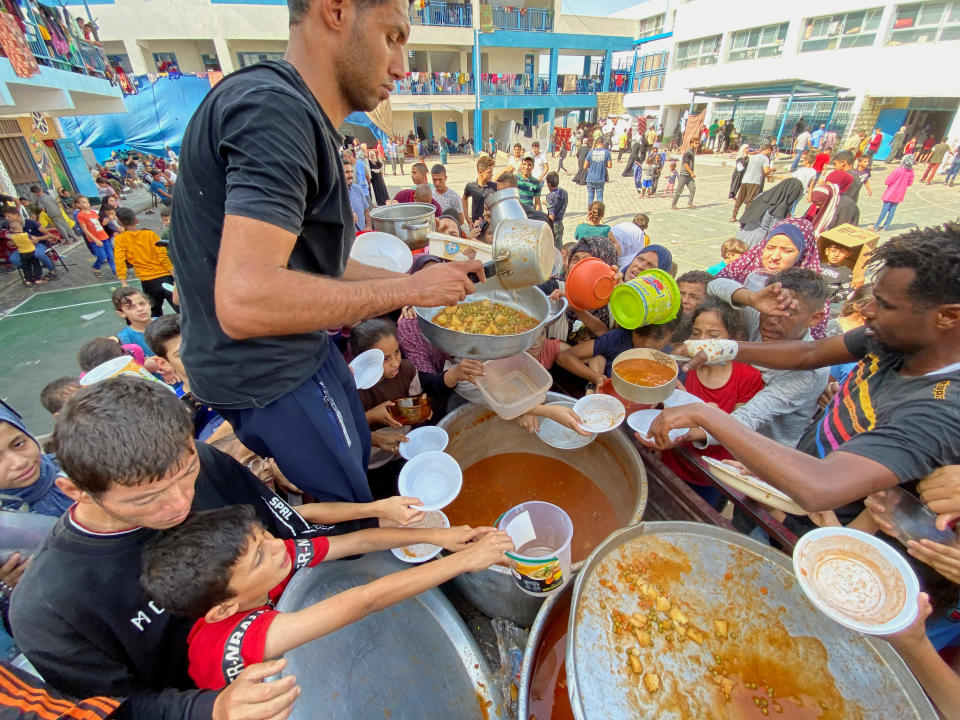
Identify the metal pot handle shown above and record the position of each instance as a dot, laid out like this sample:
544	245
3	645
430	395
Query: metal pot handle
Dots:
422	225
555	316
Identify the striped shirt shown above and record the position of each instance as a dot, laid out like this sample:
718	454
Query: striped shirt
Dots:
529	188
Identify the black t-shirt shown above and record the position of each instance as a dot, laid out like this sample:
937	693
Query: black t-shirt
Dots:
686	161
81	617
909	424
259	146
839	279
477	195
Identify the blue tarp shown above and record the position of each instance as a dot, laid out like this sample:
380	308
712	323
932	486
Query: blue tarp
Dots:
156	117
361	118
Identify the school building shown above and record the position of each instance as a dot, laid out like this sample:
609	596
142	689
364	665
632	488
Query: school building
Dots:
855	63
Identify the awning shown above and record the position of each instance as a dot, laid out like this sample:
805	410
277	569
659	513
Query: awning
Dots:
799	89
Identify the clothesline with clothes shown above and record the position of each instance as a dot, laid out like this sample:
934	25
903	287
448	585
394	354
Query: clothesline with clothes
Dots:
435	83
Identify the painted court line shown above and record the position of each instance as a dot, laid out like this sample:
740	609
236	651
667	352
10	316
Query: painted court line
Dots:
79	287
60	307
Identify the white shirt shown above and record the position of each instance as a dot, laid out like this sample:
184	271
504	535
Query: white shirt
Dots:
805	175
539	166
803	140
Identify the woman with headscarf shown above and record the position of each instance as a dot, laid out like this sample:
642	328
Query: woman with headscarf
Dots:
594	322
830	208
790	243
897	183
377	182
650	257
739	168
27	475
768	208
585	147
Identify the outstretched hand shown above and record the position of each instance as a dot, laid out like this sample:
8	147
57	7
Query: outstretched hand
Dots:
773	300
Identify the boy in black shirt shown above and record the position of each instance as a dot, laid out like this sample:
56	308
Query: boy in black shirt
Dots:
476	192
556	206
78	612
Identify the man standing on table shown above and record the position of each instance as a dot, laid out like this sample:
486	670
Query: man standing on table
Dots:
262	258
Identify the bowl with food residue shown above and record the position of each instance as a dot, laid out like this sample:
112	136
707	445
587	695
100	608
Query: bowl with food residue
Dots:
857	580
421	552
644	375
599	413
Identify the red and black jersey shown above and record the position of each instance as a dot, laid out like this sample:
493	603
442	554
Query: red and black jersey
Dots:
218	652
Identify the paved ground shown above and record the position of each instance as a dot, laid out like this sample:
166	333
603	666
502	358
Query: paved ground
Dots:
694	236
41	330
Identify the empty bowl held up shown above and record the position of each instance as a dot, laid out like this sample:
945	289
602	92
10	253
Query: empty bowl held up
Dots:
433	477
599	413
589	284
428	438
367	368
382	250
410	410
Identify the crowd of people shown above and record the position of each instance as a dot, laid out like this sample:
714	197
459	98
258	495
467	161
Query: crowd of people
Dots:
154	594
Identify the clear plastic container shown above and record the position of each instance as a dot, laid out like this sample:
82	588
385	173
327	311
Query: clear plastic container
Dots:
541	533
514	385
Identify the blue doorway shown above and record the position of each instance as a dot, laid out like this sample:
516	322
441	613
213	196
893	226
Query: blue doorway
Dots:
890	121
452	132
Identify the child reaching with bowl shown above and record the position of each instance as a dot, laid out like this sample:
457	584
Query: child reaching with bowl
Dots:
223	568
400	380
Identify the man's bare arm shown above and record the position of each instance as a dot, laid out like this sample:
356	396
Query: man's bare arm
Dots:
256	294
815	484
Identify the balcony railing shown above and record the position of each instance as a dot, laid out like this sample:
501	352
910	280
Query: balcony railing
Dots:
449	14
513	18
86	59
579	84
514	84
435	84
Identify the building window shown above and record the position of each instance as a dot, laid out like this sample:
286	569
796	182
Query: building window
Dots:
650	26
121	60
832	32
210	62
926	22
164	61
249	58
650	71
702	51
758	42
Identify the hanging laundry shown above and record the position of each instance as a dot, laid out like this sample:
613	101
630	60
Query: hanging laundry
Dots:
15	47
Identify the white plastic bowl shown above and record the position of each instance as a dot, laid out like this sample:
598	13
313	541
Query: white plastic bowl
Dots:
421	552
641	420
367	368
434	477
428	438
848	573
681	397
599	412
382	250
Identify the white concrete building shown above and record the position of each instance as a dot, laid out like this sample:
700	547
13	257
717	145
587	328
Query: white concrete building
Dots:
894	62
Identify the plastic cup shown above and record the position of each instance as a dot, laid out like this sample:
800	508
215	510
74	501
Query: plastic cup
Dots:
651	298
541	533
123	365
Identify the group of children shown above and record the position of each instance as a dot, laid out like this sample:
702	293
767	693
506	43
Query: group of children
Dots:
646	173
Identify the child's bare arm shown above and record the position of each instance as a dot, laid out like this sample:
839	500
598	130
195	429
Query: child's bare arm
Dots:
395	508
290	630
373	539
575	361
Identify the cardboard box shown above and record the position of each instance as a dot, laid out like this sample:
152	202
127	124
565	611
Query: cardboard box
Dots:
862	241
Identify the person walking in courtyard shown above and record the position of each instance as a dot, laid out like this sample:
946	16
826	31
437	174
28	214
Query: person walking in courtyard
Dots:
758	169
897	183
595	167
896	145
685	178
937	153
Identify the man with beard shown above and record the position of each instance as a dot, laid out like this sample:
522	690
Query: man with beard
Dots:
896	417
262	258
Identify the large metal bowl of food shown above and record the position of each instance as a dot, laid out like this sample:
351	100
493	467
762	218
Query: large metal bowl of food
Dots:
675	620
477	340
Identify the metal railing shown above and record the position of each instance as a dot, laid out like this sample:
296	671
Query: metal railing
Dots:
440	84
515	84
512	18
84	57
585	85
449	14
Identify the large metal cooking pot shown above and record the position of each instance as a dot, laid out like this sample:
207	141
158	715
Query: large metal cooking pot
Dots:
552	607
523	253
414	660
530	300
505	205
611	461
408	221
721	574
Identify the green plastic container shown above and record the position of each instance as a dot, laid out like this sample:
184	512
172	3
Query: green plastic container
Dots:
651	298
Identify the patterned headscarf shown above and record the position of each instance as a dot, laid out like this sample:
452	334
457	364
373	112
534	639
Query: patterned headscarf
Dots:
801	233
824	208
908	161
599	247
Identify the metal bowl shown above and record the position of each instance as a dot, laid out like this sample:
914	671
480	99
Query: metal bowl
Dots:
414	660
774	630
530	300
411	222
644	394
